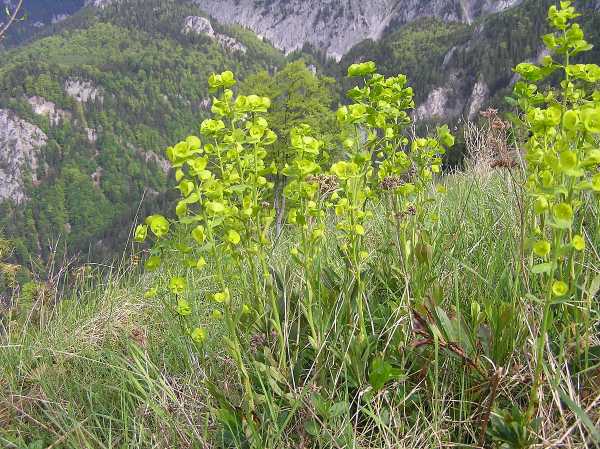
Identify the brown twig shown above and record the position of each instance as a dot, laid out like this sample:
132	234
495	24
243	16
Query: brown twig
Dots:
488	410
421	328
11	19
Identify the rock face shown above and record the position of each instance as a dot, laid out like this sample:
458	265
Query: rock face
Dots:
435	105
198	25
201	25
443	102
19	145
98	3
462	96
337	25
152	157
92	135
479	96
82	90
41	106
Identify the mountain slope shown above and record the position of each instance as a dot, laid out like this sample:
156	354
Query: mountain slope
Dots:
459	54
458	68
86	111
86	114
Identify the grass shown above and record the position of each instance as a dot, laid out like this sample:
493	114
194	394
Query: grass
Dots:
103	367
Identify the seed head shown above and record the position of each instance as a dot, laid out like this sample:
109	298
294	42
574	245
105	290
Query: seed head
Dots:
409	212
327	183
257	342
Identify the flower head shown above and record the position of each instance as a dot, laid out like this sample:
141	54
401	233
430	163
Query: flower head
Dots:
560	288
198	335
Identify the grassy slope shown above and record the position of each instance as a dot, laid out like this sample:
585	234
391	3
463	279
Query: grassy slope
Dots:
108	368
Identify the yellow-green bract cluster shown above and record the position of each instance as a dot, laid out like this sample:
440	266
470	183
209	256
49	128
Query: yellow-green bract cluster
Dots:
562	153
226	189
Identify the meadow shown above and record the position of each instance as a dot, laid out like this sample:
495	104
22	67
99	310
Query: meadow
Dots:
383	304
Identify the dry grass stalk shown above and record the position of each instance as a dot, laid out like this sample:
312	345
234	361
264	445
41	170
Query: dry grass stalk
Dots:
487	145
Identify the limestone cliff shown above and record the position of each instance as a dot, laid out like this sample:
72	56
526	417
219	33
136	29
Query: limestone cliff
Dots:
336	26
20	142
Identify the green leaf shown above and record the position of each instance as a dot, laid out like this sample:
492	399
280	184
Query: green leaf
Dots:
193	142
198	234
211	127
381	373
446	138
563	215
344	170
571	120
591	120
560	288
338	409
215	207
542	248
594	287
596	183
568	160
313	428
233	237
177	285
153	263
141	232
529	71
542	268
578	242
159	225
365	68
228	79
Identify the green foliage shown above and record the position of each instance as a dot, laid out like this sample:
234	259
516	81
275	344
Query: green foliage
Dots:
513	430
396	309
431	50
110	349
562	174
416	50
298	97
8	271
225	220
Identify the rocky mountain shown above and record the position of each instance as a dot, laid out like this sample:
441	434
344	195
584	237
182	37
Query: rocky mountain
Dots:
335	26
457	67
20	144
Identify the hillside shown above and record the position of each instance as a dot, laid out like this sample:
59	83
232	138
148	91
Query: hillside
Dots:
335	27
87	112
330	25
464	67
